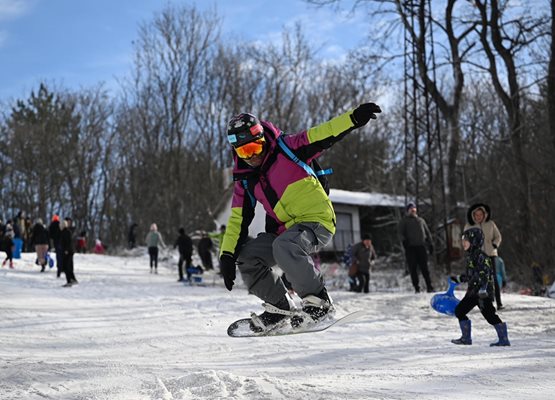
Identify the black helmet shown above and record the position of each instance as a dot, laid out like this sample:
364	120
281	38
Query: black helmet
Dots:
244	128
475	236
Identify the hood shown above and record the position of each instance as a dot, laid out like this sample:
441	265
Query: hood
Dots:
476	238
473	208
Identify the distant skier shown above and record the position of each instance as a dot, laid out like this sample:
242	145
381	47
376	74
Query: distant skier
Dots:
480	289
300	218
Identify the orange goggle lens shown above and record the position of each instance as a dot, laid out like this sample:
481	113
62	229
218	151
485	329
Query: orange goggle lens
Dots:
250	149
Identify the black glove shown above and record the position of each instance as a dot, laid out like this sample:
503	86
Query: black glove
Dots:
363	113
227	268
455	279
431	249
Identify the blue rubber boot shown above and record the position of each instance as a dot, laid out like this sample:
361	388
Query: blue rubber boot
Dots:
466	328
502	333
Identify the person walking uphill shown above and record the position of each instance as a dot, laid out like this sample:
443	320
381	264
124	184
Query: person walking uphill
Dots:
153	240
479	215
299	215
480	289
415	235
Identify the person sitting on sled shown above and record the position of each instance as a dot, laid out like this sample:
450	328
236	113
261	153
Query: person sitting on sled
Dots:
480	289
300	218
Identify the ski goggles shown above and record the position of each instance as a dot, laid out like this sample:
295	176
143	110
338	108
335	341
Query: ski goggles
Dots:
251	149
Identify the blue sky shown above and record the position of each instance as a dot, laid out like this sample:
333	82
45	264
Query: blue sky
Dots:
80	43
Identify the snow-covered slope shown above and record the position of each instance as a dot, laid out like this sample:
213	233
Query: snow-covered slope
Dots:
123	333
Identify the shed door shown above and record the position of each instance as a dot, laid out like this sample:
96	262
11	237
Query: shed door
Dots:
344	231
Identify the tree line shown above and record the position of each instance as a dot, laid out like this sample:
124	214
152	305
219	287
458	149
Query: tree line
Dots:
156	150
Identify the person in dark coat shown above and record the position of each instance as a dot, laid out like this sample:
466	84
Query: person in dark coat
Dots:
185	247
479	215
40	239
132	236
68	249
415	237
363	254
204	247
479	293
54	232
7	244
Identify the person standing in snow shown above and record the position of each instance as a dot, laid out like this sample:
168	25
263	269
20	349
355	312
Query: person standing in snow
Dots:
415	237
7	244
300	218
153	240
204	248
40	239
132	236
54	233
479	215
363	254
68	249
479	293
185	246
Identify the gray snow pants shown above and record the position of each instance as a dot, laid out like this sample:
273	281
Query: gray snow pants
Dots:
291	251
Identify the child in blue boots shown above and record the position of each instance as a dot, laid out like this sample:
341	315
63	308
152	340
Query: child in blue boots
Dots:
480	289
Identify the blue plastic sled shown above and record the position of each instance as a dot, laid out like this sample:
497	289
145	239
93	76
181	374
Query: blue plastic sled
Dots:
49	260
445	303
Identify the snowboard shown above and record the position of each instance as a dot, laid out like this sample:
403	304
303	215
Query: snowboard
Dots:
241	328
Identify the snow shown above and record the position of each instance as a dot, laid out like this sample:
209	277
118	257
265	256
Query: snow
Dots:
124	333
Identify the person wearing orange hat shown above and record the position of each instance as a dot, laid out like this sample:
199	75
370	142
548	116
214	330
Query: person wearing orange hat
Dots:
54	232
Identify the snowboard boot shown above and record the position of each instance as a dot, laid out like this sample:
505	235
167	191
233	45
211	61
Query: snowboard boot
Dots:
274	314
466	328
316	307
502	334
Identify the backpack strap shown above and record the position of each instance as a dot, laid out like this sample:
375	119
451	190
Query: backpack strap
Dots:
245	184
289	153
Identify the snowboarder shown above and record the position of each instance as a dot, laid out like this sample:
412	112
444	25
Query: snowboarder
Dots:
300	218
480	289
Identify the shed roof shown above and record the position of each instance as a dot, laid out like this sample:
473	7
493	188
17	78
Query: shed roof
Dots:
338	196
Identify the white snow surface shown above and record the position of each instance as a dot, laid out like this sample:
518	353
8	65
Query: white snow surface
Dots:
124	333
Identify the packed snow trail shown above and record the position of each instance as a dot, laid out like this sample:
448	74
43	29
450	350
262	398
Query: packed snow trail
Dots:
123	333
